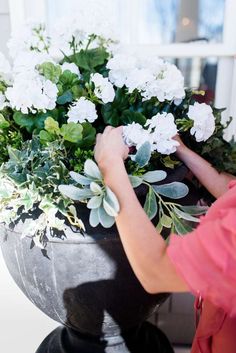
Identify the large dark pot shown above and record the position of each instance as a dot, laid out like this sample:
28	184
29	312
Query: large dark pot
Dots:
87	285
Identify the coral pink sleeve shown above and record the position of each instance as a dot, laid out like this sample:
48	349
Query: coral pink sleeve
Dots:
206	260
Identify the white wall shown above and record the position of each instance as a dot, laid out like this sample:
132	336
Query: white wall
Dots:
4	25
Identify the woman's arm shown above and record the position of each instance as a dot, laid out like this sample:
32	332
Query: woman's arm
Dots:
216	183
144	246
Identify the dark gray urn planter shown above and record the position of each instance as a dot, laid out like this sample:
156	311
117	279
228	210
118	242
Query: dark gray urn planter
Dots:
87	285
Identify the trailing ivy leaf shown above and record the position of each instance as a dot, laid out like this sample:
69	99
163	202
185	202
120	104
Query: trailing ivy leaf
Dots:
154	176
66	97
194	210
143	154
105	220
50	71
150	206
91	58
186	216
175	190
166	221
14	155
80	179
135	181
91	169
72	132
93	218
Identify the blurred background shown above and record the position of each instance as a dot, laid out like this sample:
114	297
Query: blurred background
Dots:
199	36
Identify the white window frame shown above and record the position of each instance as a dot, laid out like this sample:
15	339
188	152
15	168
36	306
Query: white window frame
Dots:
22	10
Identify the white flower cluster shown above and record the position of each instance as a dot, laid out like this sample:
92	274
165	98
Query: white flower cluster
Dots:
159	131
103	88
31	92
81	111
204	121
152	78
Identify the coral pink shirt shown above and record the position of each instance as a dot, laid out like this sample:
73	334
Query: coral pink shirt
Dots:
206	259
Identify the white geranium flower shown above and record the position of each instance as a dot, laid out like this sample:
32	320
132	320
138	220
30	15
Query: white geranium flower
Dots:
5	68
138	79
82	110
31	92
27	61
162	129
3	102
71	67
135	135
204	121
120	67
31	36
103	88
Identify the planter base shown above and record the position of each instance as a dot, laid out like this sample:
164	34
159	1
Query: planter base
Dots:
145	339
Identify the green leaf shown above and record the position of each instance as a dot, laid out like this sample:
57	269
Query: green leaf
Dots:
94	202
3	122
24	120
51	126
135	181
14	155
45	136
72	132
66	97
143	154
175	190
93	218
194	210
159	227
128	117
91	169
89	136
91	58
180	226
186	216
50	71
111	115
78	92
154	176
105	220
75	193
80	179
150	206
166	221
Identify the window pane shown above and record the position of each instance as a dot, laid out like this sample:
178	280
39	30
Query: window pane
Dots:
173	21
199	74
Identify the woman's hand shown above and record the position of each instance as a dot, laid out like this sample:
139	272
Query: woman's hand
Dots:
110	148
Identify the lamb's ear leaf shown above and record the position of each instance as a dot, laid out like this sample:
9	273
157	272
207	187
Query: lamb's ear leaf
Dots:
94	202
109	209
154	176
91	169
105	220
80	179
112	199
93	218
135	181
175	190
150	206
143	154
74	193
